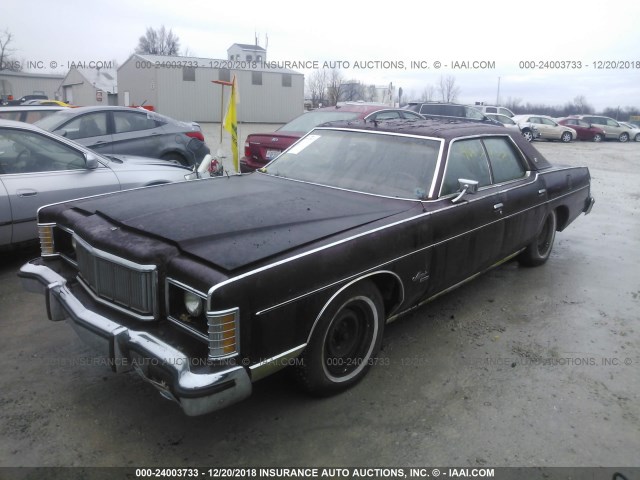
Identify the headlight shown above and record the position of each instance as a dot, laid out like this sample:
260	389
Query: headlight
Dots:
193	303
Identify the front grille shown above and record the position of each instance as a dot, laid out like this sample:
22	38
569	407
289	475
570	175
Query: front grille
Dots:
117	281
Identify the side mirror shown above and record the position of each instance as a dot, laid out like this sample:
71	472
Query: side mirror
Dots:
466	186
62	132
91	161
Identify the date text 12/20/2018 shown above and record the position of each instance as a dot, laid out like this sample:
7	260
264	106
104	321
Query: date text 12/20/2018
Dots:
579	65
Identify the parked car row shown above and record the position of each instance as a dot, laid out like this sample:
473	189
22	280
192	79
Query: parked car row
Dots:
29	114
38	168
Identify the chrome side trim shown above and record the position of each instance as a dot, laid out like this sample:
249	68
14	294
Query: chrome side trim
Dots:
271	365
453	287
338	282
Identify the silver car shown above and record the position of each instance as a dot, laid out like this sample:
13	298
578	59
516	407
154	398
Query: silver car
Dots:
131	131
549	129
38	168
634	131
528	130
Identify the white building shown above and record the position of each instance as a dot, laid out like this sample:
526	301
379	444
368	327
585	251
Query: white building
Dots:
182	88
14	85
90	87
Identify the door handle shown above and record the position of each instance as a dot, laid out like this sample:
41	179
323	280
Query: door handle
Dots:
27	193
498	206
542	191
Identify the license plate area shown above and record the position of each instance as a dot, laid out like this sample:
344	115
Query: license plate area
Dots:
271	154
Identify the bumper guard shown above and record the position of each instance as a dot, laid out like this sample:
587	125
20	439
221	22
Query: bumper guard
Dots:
197	393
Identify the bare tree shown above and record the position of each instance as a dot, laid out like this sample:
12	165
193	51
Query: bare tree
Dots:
159	42
581	105
317	87
448	90
7	62
335	80
371	94
352	91
513	104
428	93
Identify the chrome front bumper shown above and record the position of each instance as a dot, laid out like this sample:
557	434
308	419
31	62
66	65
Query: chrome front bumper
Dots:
588	205
126	349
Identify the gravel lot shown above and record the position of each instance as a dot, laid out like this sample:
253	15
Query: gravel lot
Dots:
522	367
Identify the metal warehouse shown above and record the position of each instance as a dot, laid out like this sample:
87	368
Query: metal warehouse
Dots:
18	84
90	86
181	87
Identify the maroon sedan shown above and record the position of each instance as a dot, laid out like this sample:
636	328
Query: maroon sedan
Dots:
586	131
261	148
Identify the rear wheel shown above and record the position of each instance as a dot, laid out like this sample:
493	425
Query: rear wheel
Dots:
539	250
344	341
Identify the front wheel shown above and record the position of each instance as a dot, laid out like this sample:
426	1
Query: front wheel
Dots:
623	137
539	250
344	341
637	139
597	137
566	137
528	135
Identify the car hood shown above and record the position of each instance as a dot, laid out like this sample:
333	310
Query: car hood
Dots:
233	222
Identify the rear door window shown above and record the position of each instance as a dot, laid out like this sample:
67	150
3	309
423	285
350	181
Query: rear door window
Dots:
506	162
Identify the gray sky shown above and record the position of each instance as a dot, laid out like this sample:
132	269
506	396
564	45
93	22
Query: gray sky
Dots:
448	32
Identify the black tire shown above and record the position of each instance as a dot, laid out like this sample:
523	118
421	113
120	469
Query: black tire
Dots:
176	158
345	339
637	139
597	137
528	135
624	137
566	137
539	250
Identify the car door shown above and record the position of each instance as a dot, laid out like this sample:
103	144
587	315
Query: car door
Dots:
467	234
37	170
521	193
137	133
553	131
90	130
6	225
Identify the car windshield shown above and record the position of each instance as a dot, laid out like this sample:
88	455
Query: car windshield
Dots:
51	122
307	121
372	162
